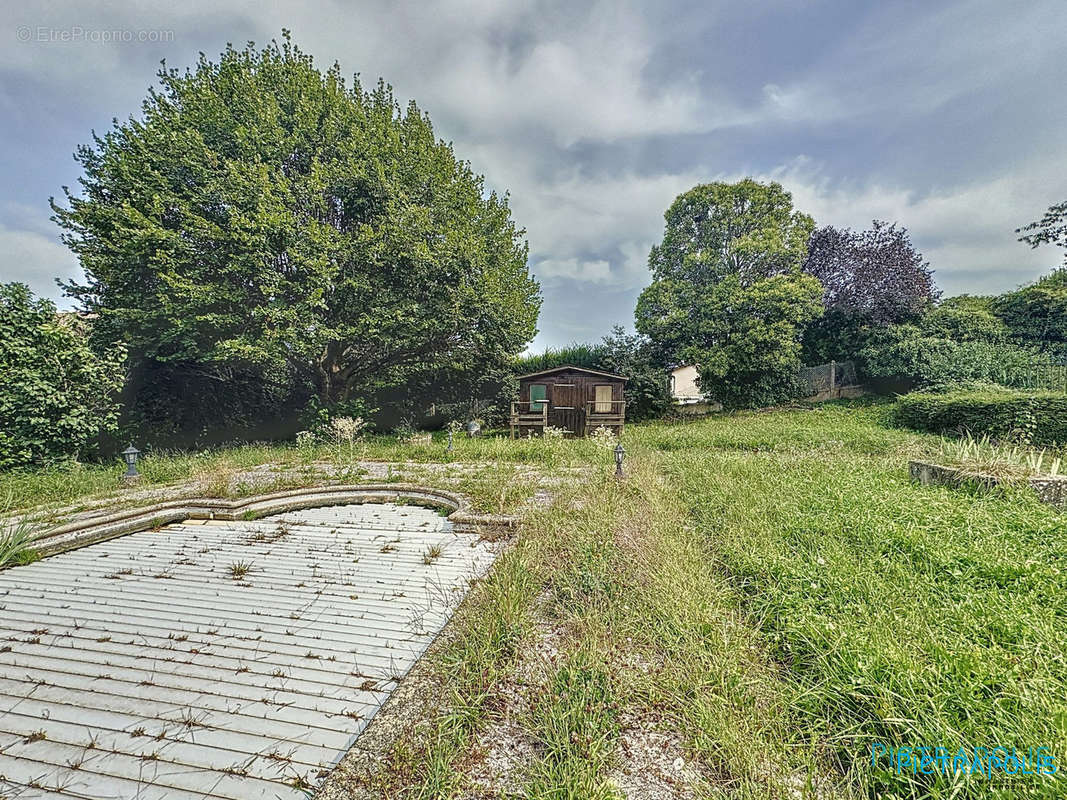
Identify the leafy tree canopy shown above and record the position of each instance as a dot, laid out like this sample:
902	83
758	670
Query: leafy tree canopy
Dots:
57	396
1038	313
746	230
870	279
964	318
876	274
1050	229
262	214
727	291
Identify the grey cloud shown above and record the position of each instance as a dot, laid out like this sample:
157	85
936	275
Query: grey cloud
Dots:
595	116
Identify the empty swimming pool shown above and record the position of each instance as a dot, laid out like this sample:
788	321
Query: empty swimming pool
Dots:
218	659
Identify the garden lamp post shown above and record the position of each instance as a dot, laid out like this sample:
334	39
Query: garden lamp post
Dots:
129	455
449	448
619	453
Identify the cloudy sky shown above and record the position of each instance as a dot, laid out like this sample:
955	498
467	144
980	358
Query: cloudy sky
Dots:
946	117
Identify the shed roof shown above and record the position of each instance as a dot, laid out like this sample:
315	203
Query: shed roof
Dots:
572	368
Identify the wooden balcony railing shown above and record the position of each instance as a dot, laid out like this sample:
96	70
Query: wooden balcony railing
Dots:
527	414
594	414
606	413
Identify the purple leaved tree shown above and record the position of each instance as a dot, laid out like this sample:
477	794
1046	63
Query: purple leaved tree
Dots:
875	276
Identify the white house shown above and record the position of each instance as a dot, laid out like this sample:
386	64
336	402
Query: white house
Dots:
684	389
685	393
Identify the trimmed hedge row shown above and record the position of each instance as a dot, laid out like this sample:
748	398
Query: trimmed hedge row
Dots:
997	412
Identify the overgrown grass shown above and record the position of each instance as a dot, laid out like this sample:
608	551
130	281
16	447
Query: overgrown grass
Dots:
575	720
650	634
212	472
775	591
16	544
769	588
911	616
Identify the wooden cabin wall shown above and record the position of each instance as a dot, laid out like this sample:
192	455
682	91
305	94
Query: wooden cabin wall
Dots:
570	388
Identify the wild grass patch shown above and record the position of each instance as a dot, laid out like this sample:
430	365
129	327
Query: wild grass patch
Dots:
650	634
984	455
910	616
771	588
16	544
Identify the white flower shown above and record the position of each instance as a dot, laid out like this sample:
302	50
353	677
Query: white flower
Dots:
346	429
604	437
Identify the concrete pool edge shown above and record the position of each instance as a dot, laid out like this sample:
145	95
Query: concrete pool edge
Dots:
81	533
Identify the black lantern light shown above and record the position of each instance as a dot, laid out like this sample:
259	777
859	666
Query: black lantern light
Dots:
619	453
129	455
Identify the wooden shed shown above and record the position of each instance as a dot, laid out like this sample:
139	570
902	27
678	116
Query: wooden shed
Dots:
576	399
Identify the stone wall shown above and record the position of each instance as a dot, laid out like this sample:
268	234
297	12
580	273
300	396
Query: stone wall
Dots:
1049	489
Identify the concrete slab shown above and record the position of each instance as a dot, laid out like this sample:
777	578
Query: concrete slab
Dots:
214	659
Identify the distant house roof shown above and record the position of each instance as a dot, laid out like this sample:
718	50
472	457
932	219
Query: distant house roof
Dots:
572	368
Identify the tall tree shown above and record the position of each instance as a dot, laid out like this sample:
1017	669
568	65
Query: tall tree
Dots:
1037	314
1050	229
870	278
57	396
263	215
728	293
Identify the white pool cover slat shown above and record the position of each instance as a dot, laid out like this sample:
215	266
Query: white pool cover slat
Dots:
144	669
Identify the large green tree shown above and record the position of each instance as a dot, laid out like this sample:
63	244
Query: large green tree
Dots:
727	290
1050	229
1037	313
263	217
57	396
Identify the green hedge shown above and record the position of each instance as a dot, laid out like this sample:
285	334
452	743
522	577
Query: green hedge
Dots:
1001	413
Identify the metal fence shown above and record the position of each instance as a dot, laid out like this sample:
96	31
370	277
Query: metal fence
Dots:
1026	372
826	377
1040	373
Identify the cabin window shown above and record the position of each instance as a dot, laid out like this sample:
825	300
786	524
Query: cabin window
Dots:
603	399
538	396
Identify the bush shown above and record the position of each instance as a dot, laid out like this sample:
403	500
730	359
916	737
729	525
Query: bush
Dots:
909	352
1038	313
964	318
1030	417
57	396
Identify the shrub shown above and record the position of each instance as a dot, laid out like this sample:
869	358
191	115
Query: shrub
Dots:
1029	417
964	318
647	391
1038	313
57	395
912	353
